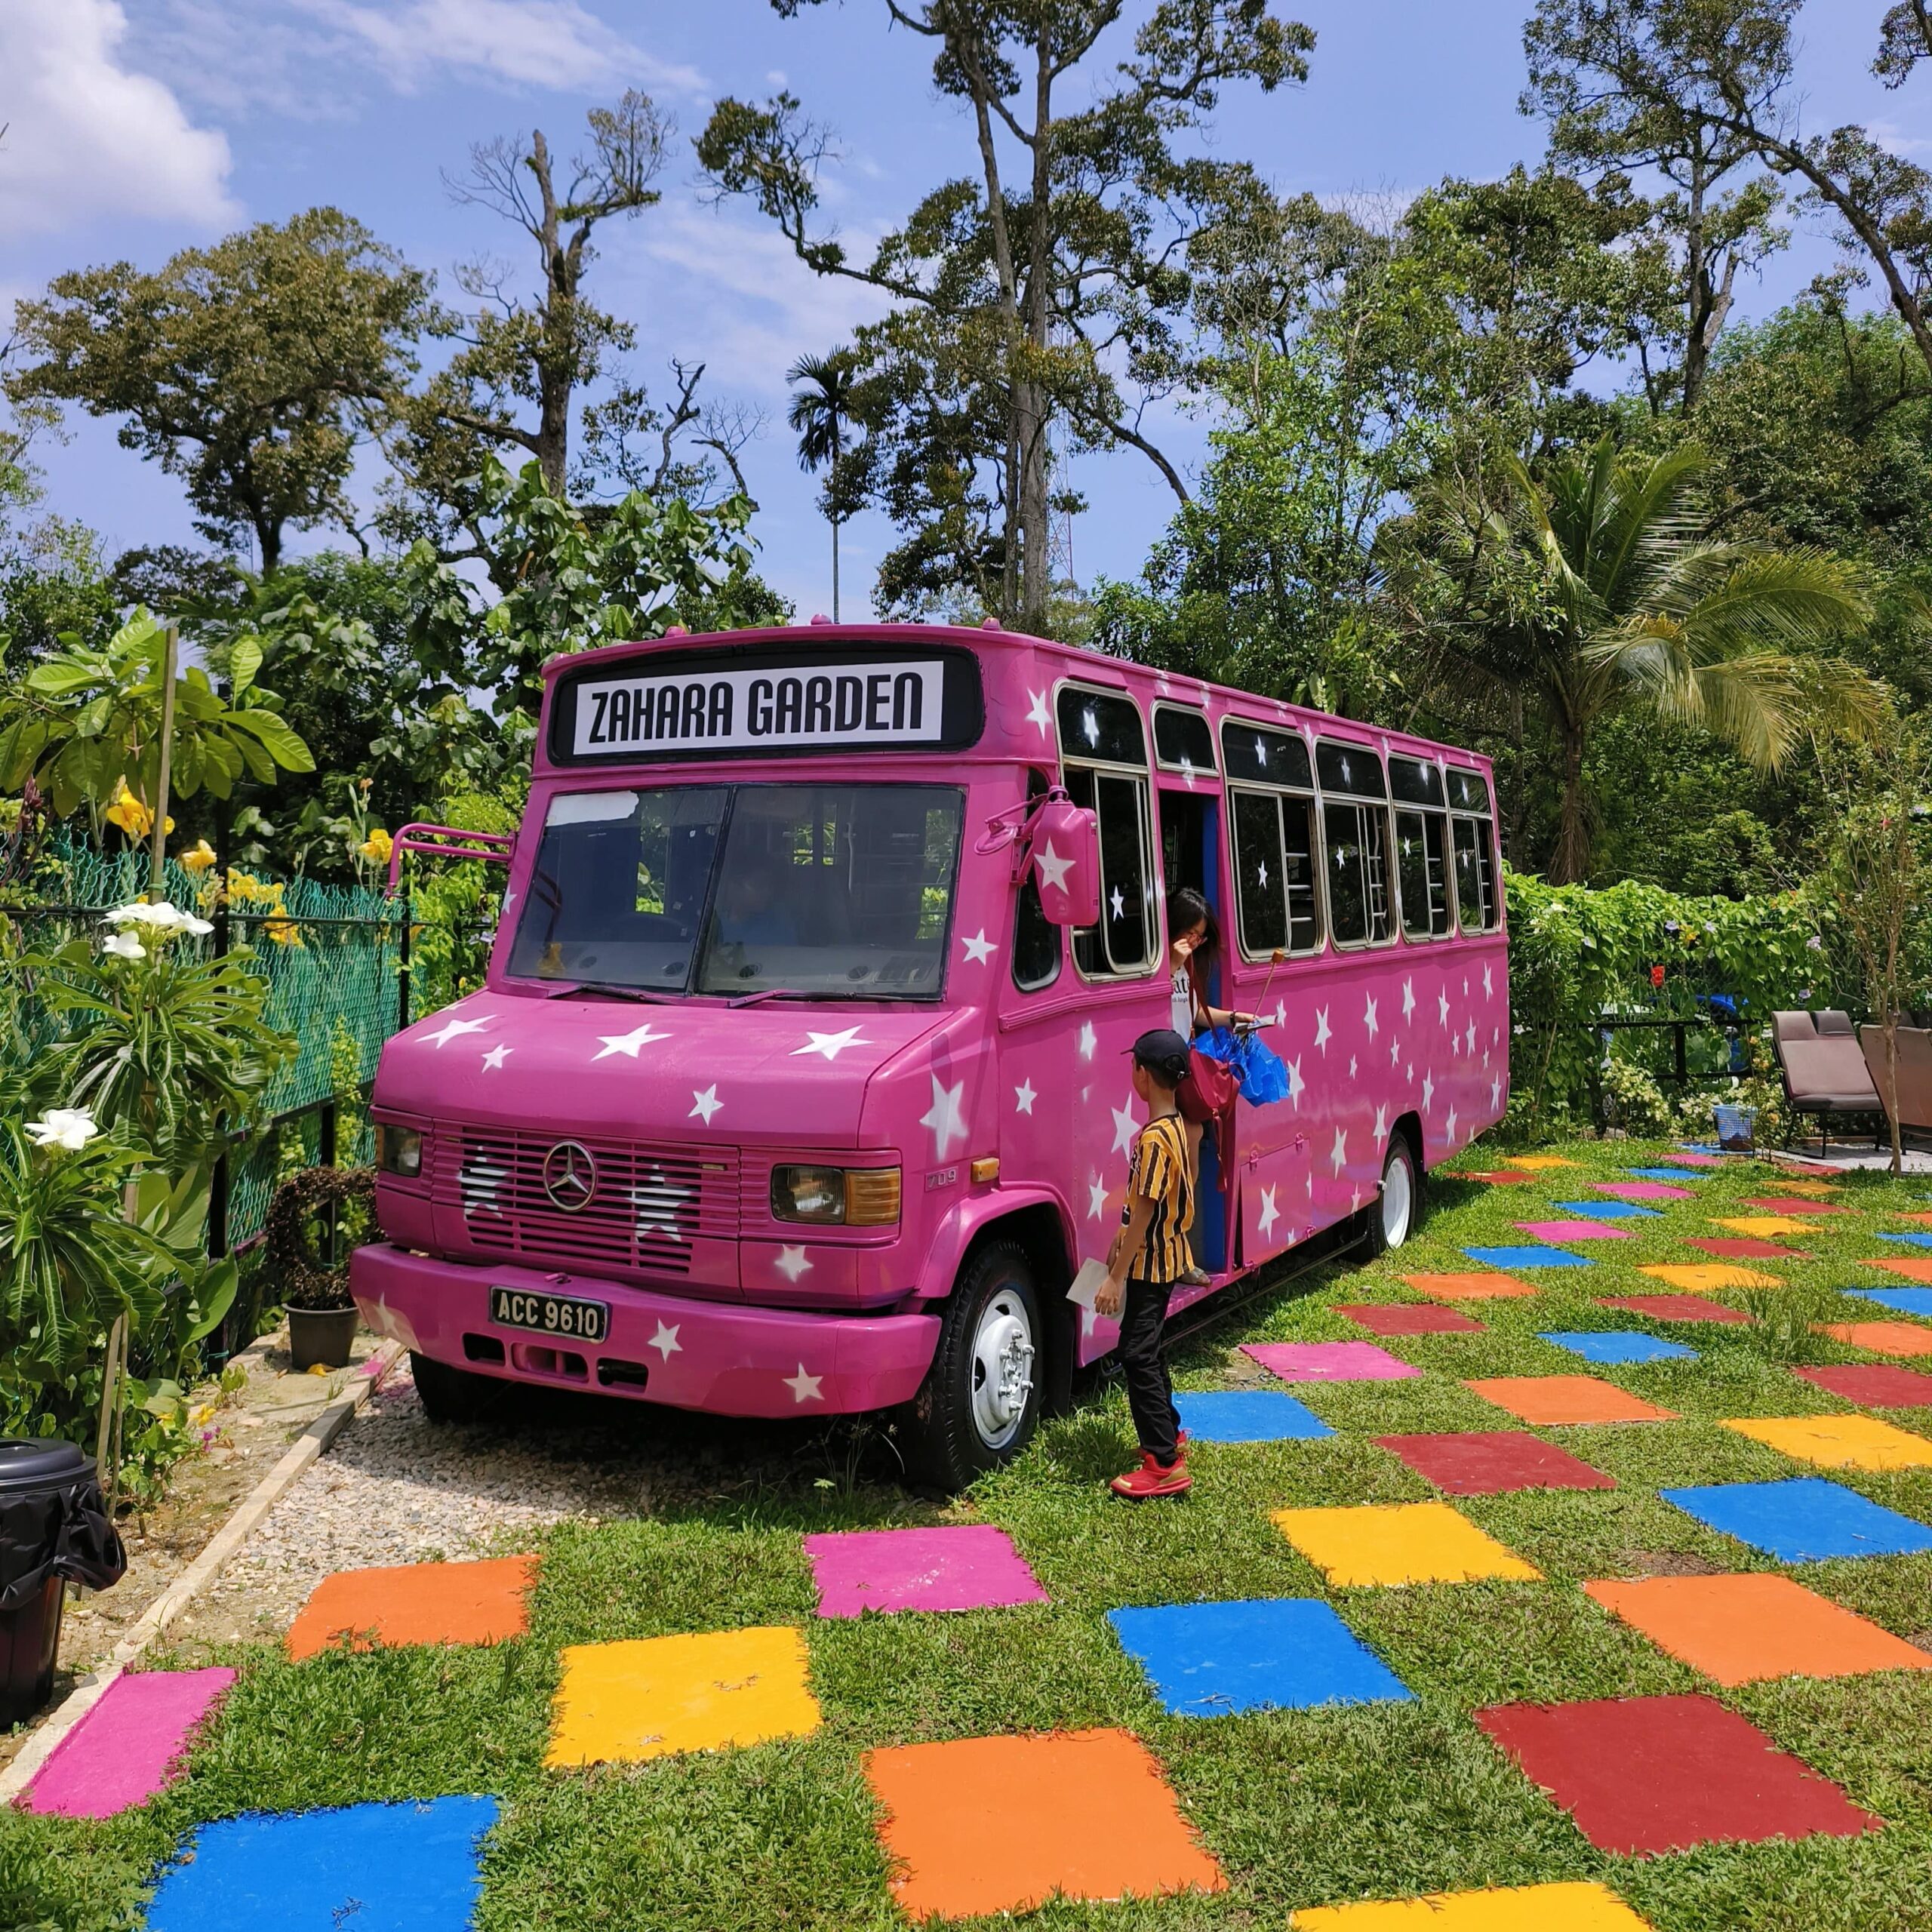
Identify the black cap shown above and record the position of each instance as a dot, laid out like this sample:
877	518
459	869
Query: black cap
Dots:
1161	1050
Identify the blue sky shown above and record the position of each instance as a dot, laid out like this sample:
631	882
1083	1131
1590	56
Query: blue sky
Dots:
138	128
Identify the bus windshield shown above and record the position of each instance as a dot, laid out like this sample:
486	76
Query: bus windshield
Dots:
836	891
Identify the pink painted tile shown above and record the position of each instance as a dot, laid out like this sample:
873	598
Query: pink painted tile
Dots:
1573	1231
1329	1361
1689	1157
1641	1190
962	1566
122	1753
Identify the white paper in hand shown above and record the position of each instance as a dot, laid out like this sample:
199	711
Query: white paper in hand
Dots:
1087	1283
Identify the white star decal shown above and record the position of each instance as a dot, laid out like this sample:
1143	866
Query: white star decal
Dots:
1053	868
1449	1124
1465	986
829	1046
1469	1039
1264	1224
1097	1199
1351	1067
1024	1096
1442	1007
944	1117
454	1028
1379	1132
1090	726
1488	985
1088	1041
657	1201
493	1061
804	1388
1119	904
1368	1017
1427	1091
1408	997
1294	1082
1395	1052
1262	873
1322	1031
1339	1158
1124	1127
978	948
1039	715
792	1263
1281	1013
704	1103
665	1341
627	1043
1496	1092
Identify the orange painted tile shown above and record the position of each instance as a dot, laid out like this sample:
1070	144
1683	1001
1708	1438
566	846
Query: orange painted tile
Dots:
1536	1163
1882	1338
1468	1287
1737	1629
1553	1401
1000	1824
1914	1268
417	1603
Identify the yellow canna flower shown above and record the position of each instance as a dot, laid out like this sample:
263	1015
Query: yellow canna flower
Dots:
377	846
198	858
129	813
284	932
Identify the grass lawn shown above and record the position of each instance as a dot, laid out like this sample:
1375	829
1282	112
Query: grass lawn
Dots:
1299	1808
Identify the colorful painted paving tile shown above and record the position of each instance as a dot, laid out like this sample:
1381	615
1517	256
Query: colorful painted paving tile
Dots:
1506	1177
1917	1237
1739	1629
1000	1824
1493	1463
1674	1175
1582	1905
1645	1775
1611	1210
1707	1278
1744	1249
1573	1231
1797	1204
1248	1415
654	1697
954	1566
1674	1308
1559	1401
1469	1287
1760	1225
1390	1317
1838	1442
1535	1256
1882	1338
1329	1361
1909	1268
411	1867
1796	1190
1618	1345
1536	1163
417	1603
1641	1190
1389	1544
1900	1301
1804	1519
1872	1385
1699	1157
1290	1653
128	1746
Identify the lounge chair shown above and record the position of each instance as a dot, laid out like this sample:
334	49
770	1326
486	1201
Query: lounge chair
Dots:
1824	1071
1915	1070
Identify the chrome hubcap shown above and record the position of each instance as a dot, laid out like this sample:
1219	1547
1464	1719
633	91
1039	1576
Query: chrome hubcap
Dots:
1398	1195
1002	1369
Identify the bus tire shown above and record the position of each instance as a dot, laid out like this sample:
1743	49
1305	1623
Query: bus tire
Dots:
452	1395
980	1401
1398	1205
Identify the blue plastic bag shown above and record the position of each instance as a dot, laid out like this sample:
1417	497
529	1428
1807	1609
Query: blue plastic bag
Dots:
1258	1069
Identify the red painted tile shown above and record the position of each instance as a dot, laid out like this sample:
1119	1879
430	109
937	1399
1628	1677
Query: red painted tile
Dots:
1409	1318
1744	1249
1675	1308
1873	1385
1493	1462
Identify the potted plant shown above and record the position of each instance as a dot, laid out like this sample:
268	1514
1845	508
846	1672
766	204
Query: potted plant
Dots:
311	1225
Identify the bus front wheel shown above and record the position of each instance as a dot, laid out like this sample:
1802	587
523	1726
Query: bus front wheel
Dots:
1391	1220
980	1400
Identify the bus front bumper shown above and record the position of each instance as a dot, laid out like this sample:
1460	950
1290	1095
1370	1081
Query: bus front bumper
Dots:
724	1358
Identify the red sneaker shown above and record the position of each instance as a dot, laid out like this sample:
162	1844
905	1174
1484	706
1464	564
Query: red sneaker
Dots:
1150	1479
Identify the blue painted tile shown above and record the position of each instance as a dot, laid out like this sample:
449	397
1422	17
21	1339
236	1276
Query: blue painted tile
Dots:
1619	1345
1917	1237
1210	1659
1609	1211
1248	1415
1536	1255
1901	1301
378	1867
1670	1173
1804	1520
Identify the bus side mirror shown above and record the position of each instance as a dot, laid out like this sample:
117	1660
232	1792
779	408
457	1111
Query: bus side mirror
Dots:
1066	863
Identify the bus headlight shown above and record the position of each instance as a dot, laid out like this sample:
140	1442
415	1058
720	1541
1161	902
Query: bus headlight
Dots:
398	1150
853	1197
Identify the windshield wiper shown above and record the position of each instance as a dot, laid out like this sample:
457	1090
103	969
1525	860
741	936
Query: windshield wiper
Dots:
615	992
769	992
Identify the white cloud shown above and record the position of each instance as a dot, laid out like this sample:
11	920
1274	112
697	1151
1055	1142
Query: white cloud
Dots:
1897	140
89	137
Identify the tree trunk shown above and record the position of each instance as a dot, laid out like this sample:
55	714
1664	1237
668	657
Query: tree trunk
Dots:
1890	1021
1571	859
553	364
1697	268
268	544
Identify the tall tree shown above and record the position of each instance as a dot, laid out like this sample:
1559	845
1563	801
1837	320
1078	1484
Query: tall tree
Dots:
824	407
1611	79
251	369
1591	587
1042	287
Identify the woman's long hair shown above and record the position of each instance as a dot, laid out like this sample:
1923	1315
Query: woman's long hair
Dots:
1186	909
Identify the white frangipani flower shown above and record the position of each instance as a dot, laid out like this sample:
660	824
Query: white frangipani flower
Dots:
124	945
161	917
68	1127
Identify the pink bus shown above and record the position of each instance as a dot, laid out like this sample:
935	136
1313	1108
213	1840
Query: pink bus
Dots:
798	1086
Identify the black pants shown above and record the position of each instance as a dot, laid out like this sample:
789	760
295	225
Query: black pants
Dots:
1150	1394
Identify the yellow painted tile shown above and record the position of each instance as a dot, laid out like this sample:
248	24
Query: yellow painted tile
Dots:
1711	1276
1839	1442
653	1697
1569	1908
1535	1164
1399	1542
1764	1225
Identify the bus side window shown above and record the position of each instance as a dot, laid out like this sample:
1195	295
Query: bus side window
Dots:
1422	862
1121	945
1356	838
1035	938
1261	885
1298	852
1475	876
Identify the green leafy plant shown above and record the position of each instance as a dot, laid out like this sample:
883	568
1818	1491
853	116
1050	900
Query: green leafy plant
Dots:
1785	1320
1632	1100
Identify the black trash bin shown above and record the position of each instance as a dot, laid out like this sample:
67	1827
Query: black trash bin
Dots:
53	1530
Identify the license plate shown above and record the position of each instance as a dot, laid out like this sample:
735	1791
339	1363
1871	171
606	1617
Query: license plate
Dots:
550	1314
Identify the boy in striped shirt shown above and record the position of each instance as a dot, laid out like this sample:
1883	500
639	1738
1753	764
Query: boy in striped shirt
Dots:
1149	1255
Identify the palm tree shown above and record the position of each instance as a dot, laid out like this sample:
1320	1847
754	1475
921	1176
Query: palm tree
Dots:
823	409
1596	587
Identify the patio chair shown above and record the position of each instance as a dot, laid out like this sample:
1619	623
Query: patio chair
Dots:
1824	1071
1915	1070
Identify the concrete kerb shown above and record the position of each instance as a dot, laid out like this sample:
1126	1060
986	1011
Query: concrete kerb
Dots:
307	1448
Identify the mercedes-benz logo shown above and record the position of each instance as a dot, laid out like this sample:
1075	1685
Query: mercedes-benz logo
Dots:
569	1175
